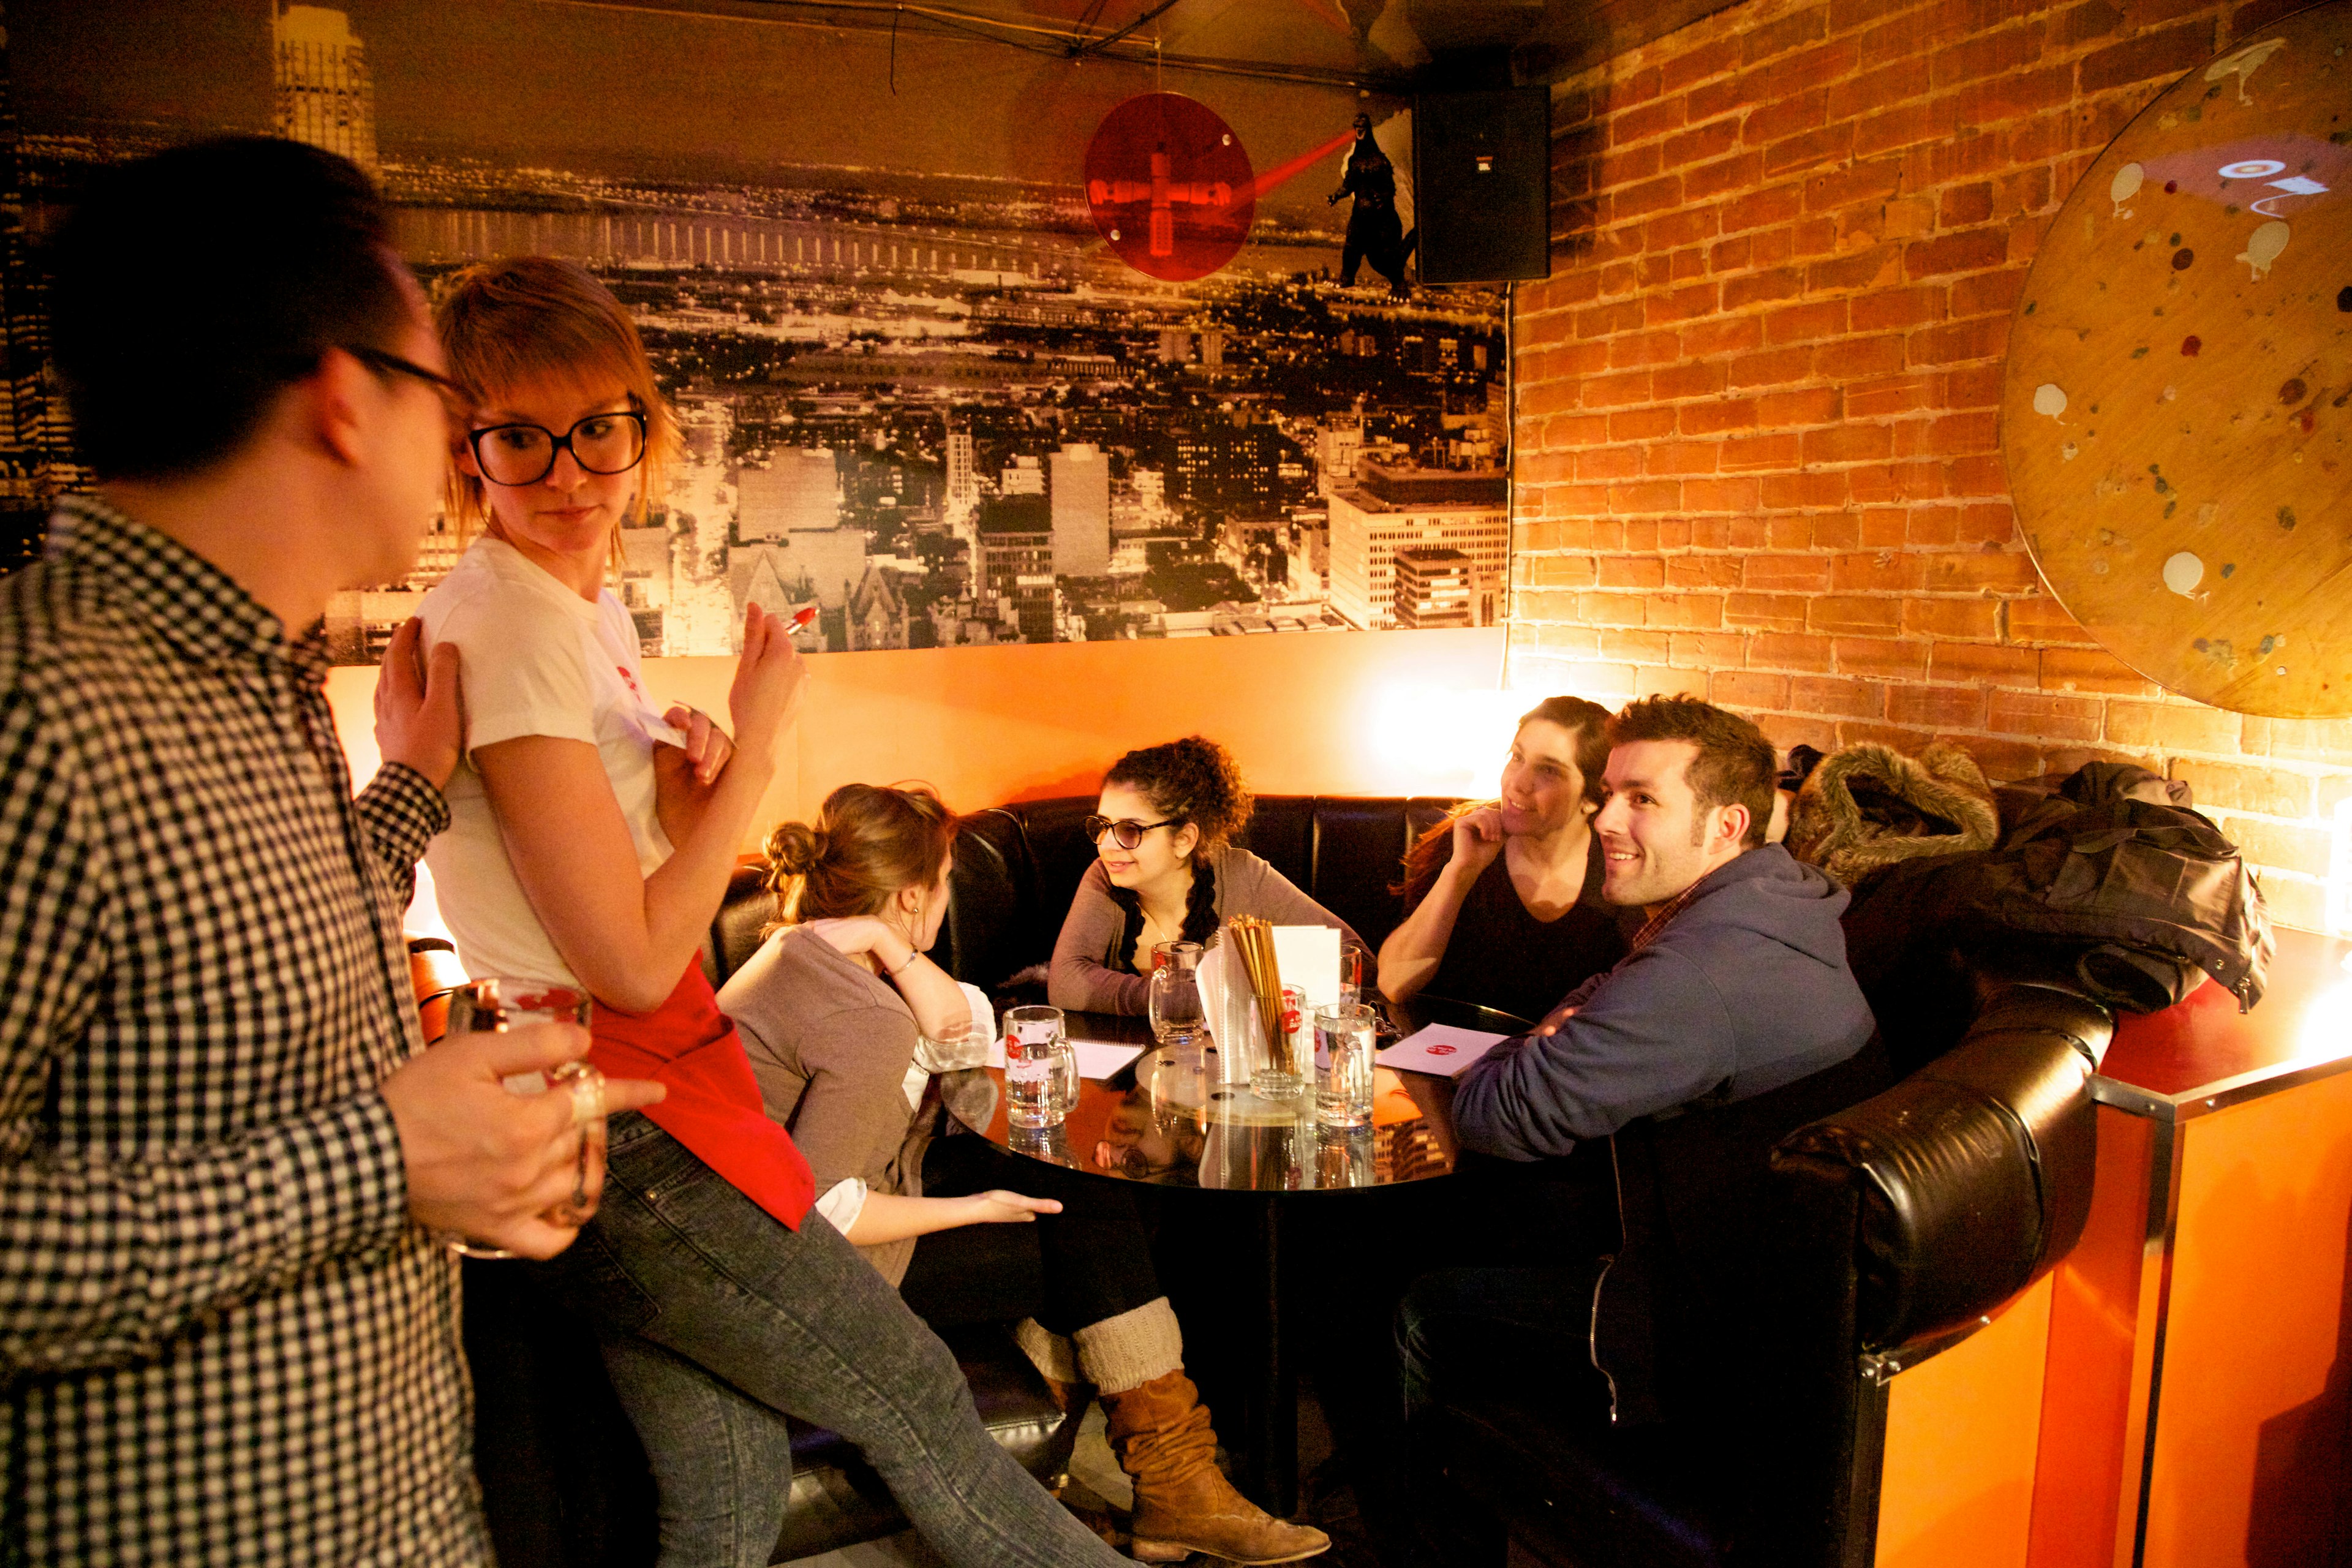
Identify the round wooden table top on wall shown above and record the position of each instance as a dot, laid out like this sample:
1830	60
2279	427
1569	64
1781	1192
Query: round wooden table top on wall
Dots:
2177	411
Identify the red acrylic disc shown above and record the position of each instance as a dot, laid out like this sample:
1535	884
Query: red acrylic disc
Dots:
1170	187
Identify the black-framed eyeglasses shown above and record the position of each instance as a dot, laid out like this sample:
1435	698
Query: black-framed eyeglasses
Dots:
1127	834
525	454
453	396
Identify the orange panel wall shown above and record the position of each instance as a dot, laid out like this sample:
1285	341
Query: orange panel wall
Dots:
2079	1490
1956	1491
2253	1426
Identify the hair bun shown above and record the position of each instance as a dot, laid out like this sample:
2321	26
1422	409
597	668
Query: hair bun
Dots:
793	849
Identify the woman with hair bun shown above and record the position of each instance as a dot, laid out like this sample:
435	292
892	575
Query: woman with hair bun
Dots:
1166	870
845	1018
1502	899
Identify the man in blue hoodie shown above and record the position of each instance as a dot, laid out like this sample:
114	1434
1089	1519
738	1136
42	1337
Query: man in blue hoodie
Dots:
1736	985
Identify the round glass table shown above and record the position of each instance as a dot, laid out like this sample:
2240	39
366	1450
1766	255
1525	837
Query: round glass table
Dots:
1167	1119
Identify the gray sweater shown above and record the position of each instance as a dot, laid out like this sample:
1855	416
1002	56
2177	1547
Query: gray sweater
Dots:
831	1042
1082	978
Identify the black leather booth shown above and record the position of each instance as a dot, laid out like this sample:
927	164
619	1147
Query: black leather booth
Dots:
1792	1254
1795	1265
563	1478
1017	867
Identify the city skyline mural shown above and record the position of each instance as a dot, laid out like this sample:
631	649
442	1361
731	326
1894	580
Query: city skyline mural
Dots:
920	388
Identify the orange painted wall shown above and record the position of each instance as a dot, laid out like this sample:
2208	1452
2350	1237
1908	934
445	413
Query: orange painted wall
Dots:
1336	713
2254	1422
1962	1432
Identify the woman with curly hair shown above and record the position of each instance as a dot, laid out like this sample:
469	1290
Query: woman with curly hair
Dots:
845	1018
1166	870
1502	899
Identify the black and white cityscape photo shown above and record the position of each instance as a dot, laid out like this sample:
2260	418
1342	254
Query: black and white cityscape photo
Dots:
920	392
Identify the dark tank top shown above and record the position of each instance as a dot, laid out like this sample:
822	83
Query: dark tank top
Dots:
1502	956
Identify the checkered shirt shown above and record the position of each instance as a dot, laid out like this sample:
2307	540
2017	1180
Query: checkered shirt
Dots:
222	1339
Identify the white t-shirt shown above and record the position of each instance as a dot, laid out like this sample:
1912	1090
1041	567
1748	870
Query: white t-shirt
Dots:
535	659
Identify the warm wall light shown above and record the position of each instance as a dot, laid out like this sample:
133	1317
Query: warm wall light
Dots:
1439	740
2339	872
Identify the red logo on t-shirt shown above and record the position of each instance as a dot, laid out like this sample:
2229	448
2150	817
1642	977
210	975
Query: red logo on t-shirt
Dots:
629	681
1443	1050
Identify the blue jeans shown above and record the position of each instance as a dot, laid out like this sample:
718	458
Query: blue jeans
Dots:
717	1321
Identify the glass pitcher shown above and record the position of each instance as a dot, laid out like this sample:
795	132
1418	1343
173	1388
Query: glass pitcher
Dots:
1041	1067
1177	1017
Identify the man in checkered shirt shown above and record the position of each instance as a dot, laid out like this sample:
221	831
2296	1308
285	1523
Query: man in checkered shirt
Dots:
228	1331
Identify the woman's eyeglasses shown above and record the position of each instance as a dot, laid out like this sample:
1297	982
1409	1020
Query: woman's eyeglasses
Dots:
525	454
1127	834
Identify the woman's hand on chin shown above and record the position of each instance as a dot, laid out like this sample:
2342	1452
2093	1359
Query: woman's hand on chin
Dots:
1478	838
771	681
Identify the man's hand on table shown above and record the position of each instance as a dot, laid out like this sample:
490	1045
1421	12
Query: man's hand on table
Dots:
485	1162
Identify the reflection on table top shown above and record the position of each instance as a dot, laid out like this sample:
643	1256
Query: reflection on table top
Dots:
1169	1119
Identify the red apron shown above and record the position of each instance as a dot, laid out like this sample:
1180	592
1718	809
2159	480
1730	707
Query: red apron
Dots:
713	1107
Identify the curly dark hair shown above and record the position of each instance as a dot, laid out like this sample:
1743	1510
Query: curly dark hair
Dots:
1736	765
1588	722
1194	780
869	841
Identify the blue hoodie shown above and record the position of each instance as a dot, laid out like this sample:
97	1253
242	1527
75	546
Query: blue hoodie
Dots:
1745	990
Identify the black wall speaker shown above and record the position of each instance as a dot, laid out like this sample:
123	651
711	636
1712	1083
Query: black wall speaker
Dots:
1482	185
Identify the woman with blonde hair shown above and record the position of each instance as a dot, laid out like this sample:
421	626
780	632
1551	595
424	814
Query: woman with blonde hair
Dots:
846	1017
592	835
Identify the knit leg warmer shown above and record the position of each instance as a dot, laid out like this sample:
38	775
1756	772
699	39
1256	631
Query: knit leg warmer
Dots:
1131	1349
1053	1356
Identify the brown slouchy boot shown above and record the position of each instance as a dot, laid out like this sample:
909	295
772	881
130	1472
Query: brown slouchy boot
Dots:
1183	1503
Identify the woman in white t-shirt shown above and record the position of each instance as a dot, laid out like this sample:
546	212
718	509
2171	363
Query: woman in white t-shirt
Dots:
590	836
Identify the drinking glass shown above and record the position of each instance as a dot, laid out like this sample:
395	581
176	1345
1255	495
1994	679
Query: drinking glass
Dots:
1041	1069
497	1006
1283	1075
1343	1157
1177	1017
1355	963
1344	1039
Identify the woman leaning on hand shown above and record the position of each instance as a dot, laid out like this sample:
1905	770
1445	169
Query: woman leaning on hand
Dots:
1503	899
845	1018
1165	870
591	839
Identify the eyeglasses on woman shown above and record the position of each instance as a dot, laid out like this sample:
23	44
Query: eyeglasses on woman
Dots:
525	454
1126	833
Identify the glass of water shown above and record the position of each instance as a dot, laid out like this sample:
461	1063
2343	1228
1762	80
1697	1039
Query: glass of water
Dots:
499	1004
1041	1069
1344	1041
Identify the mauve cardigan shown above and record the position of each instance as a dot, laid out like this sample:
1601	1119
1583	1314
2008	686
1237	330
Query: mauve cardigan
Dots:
1082	979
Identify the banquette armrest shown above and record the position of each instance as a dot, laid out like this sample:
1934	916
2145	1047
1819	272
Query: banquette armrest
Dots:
1971	1177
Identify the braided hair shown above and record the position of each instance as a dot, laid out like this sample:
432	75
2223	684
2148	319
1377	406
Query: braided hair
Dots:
1194	780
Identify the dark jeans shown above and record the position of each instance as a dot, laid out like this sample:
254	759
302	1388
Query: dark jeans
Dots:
1090	1262
717	1321
1355	1271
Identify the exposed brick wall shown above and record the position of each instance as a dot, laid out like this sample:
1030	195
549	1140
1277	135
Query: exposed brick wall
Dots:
1757	401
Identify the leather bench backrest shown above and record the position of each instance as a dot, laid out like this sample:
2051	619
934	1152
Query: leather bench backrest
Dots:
1974	1173
1017	867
